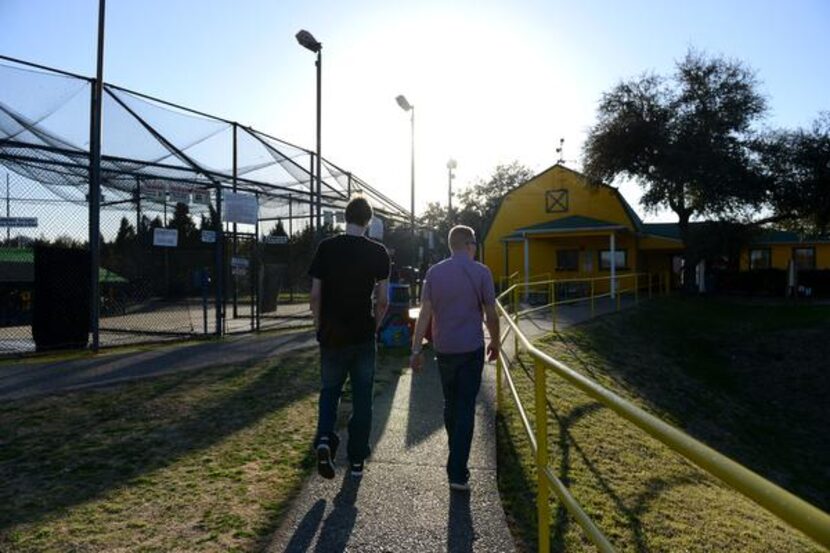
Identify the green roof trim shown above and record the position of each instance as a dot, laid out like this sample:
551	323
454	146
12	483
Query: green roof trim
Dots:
573	222
27	256
662	230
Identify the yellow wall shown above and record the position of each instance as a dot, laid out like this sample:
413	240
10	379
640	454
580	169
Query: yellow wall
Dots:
525	206
780	255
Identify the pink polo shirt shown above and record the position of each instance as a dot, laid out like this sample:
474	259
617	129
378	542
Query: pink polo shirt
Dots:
457	287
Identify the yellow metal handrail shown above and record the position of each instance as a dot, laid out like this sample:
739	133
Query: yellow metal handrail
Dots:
786	506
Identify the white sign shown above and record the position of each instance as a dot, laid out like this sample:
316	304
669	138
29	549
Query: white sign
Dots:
18	221
276	240
209	236
239	263
376	229
240	208
165	237
201	197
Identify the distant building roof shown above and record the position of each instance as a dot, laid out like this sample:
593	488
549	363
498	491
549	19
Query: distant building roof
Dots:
766	236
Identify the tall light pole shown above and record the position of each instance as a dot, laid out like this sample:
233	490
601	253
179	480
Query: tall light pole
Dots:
95	181
451	164
406	106
308	42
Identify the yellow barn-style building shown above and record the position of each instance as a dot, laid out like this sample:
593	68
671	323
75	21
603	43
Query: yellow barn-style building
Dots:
556	226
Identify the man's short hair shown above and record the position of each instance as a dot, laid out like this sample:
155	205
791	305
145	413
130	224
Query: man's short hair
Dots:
358	211
460	236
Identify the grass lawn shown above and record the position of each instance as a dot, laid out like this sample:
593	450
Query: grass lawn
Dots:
202	461
747	378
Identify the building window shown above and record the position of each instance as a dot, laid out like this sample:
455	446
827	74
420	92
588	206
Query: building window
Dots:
567	260
759	259
805	258
621	259
556	201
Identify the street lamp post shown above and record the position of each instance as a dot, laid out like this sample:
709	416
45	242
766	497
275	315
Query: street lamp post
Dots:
308	42
451	164
406	106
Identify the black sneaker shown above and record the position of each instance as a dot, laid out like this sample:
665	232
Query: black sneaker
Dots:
325	464
357	469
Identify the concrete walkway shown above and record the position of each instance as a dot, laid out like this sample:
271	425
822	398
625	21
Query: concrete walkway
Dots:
31	378
403	502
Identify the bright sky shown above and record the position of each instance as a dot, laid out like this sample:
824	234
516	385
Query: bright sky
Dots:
491	81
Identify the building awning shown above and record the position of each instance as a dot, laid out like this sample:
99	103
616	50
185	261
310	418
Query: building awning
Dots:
17	265
572	224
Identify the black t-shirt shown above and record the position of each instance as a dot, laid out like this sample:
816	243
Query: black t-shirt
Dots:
349	267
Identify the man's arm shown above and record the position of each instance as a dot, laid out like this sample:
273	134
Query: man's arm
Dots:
491	318
381	301
316	300
416	360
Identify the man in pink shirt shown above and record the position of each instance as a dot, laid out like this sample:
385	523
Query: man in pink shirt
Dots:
456	293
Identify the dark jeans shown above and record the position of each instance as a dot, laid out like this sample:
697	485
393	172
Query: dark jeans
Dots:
358	363
460	380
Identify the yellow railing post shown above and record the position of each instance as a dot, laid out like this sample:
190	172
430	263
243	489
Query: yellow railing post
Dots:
553	304
516	319
542	493
636	288
592	297
499	392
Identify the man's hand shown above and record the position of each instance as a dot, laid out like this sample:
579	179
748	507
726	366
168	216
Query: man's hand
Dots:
493	350
416	361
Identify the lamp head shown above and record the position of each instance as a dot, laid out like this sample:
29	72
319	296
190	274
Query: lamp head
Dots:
308	41
401	99
452	164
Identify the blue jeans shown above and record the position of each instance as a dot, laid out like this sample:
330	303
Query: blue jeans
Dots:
357	362
460	380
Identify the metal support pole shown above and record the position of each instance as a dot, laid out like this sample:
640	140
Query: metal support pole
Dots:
137	204
95	182
311	199
319	154
255	274
649	286
8	213
542	493
235	245
290	236
412	171
349	185
613	266
219	268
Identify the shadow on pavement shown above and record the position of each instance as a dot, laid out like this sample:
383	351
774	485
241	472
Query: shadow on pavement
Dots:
460	533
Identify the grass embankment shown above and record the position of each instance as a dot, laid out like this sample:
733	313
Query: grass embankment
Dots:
202	461
749	379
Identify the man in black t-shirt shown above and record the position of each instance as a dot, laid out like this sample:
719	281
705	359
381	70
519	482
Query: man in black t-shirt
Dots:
348	272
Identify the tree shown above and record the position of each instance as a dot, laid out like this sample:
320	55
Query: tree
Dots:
278	230
480	202
436	219
684	139
182	222
796	165
125	236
